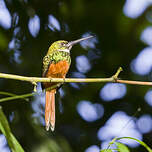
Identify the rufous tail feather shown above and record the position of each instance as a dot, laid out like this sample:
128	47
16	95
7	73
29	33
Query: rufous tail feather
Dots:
50	109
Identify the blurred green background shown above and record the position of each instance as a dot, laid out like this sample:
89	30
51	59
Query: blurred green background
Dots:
88	116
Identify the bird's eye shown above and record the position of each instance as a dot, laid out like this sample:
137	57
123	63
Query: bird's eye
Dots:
63	44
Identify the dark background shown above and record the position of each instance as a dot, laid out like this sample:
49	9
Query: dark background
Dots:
120	39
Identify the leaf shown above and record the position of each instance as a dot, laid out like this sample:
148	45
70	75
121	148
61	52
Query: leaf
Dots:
121	147
5	129
139	141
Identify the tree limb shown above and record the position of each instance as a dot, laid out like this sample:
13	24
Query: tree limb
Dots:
35	80
114	78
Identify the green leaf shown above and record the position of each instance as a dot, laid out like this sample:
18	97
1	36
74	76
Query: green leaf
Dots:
5	129
106	150
139	141
121	147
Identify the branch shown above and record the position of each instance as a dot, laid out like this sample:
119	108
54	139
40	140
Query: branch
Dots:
61	80
35	80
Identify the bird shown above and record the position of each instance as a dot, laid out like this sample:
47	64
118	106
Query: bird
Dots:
56	64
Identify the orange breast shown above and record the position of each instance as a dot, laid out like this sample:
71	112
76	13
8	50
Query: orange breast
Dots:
58	70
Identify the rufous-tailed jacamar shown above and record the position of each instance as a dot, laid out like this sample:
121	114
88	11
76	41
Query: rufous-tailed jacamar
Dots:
56	64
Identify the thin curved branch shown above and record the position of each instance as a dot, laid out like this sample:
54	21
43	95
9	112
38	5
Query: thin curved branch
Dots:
114	78
34	81
39	79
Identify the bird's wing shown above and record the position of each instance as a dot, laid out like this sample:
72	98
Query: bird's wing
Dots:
46	63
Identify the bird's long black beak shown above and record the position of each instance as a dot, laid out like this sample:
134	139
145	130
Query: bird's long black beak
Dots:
70	44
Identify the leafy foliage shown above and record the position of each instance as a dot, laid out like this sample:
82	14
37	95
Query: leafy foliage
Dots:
5	129
139	141
121	147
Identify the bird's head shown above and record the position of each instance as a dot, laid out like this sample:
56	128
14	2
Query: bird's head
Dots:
65	46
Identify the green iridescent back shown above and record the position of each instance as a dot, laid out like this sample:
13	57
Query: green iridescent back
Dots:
55	54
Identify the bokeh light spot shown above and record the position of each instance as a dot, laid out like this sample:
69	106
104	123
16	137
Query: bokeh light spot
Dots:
90	43
90	112
17	55
34	25
144	123
5	17
115	126
15	19
134	8
148	97
93	148
3	144
14	44
82	63
113	91
142	64
146	35
53	23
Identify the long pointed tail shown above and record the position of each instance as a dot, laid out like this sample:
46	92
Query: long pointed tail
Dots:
50	109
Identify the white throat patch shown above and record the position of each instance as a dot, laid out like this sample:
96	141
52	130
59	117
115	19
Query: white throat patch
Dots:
65	50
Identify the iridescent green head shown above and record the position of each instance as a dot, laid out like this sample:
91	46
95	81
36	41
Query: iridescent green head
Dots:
65	46
58	46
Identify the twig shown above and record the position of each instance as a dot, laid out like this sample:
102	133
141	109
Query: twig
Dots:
134	82
10	94
115	76
17	97
24	96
